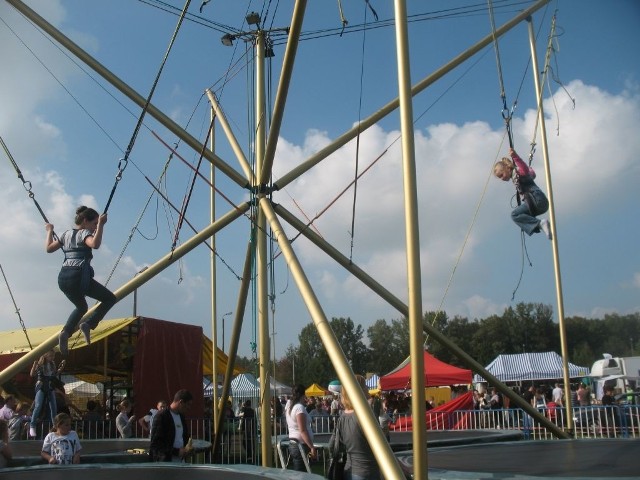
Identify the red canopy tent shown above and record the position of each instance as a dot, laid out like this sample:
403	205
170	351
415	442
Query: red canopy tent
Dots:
436	373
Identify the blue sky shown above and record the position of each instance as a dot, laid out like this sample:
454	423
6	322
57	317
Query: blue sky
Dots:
70	160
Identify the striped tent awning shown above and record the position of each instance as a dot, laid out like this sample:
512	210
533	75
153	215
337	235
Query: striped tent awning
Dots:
530	366
372	381
245	385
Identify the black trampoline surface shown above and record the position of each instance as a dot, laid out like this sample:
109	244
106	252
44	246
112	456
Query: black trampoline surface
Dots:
152	471
605	458
440	438
30	448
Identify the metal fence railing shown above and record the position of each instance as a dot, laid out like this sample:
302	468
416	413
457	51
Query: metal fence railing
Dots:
596	421
240	442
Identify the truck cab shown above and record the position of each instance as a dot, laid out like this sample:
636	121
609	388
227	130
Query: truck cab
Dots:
620	373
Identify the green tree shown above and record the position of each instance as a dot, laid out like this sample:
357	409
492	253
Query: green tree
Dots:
578	340
490	339
284	367
312	360
621	333
438	321
388	345
350	338
461	332
538	319
525	327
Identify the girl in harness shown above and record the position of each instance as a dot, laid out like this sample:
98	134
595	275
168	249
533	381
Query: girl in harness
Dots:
531	200
45	371
76	276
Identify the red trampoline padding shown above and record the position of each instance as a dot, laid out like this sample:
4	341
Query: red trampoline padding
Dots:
439	418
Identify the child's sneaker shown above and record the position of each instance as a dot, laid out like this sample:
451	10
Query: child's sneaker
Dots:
546	228
63	341
32	432
86	331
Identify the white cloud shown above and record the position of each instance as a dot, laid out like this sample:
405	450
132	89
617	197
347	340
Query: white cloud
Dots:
479	307
453	166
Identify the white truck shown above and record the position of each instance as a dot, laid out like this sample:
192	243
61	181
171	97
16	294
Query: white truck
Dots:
621	373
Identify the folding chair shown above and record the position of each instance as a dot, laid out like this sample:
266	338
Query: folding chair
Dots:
285	458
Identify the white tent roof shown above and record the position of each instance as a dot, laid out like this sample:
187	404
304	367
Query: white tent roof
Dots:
279	387
530	366
207	388
81	389
245	385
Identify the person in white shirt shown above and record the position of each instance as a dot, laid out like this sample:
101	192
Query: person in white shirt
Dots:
8	410
146	422
300	433
124	422
557	395
62	445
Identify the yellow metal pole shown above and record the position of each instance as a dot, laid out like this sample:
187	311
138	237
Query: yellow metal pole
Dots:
264	350
214	278
235	337
412	223
368	422
235	145
552	221
283	87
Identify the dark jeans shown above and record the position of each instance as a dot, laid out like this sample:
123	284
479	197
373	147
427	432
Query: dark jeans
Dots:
70	282
296	456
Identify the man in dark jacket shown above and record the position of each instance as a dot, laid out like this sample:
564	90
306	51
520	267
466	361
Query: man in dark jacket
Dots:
170	435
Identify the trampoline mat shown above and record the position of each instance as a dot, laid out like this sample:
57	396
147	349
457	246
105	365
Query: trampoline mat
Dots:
607	458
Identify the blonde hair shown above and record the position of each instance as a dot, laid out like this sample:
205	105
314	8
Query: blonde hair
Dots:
346	401
502	164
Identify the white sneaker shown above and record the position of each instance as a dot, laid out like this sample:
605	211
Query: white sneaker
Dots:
32	432
545	226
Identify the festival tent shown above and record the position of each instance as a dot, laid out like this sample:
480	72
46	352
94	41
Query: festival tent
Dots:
278	387
79	391
245	387
150	358
315	390
372	382
80	388
530	366
207	388
436	373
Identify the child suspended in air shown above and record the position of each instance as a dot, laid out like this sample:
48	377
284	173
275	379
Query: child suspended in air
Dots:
76	276
533	200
